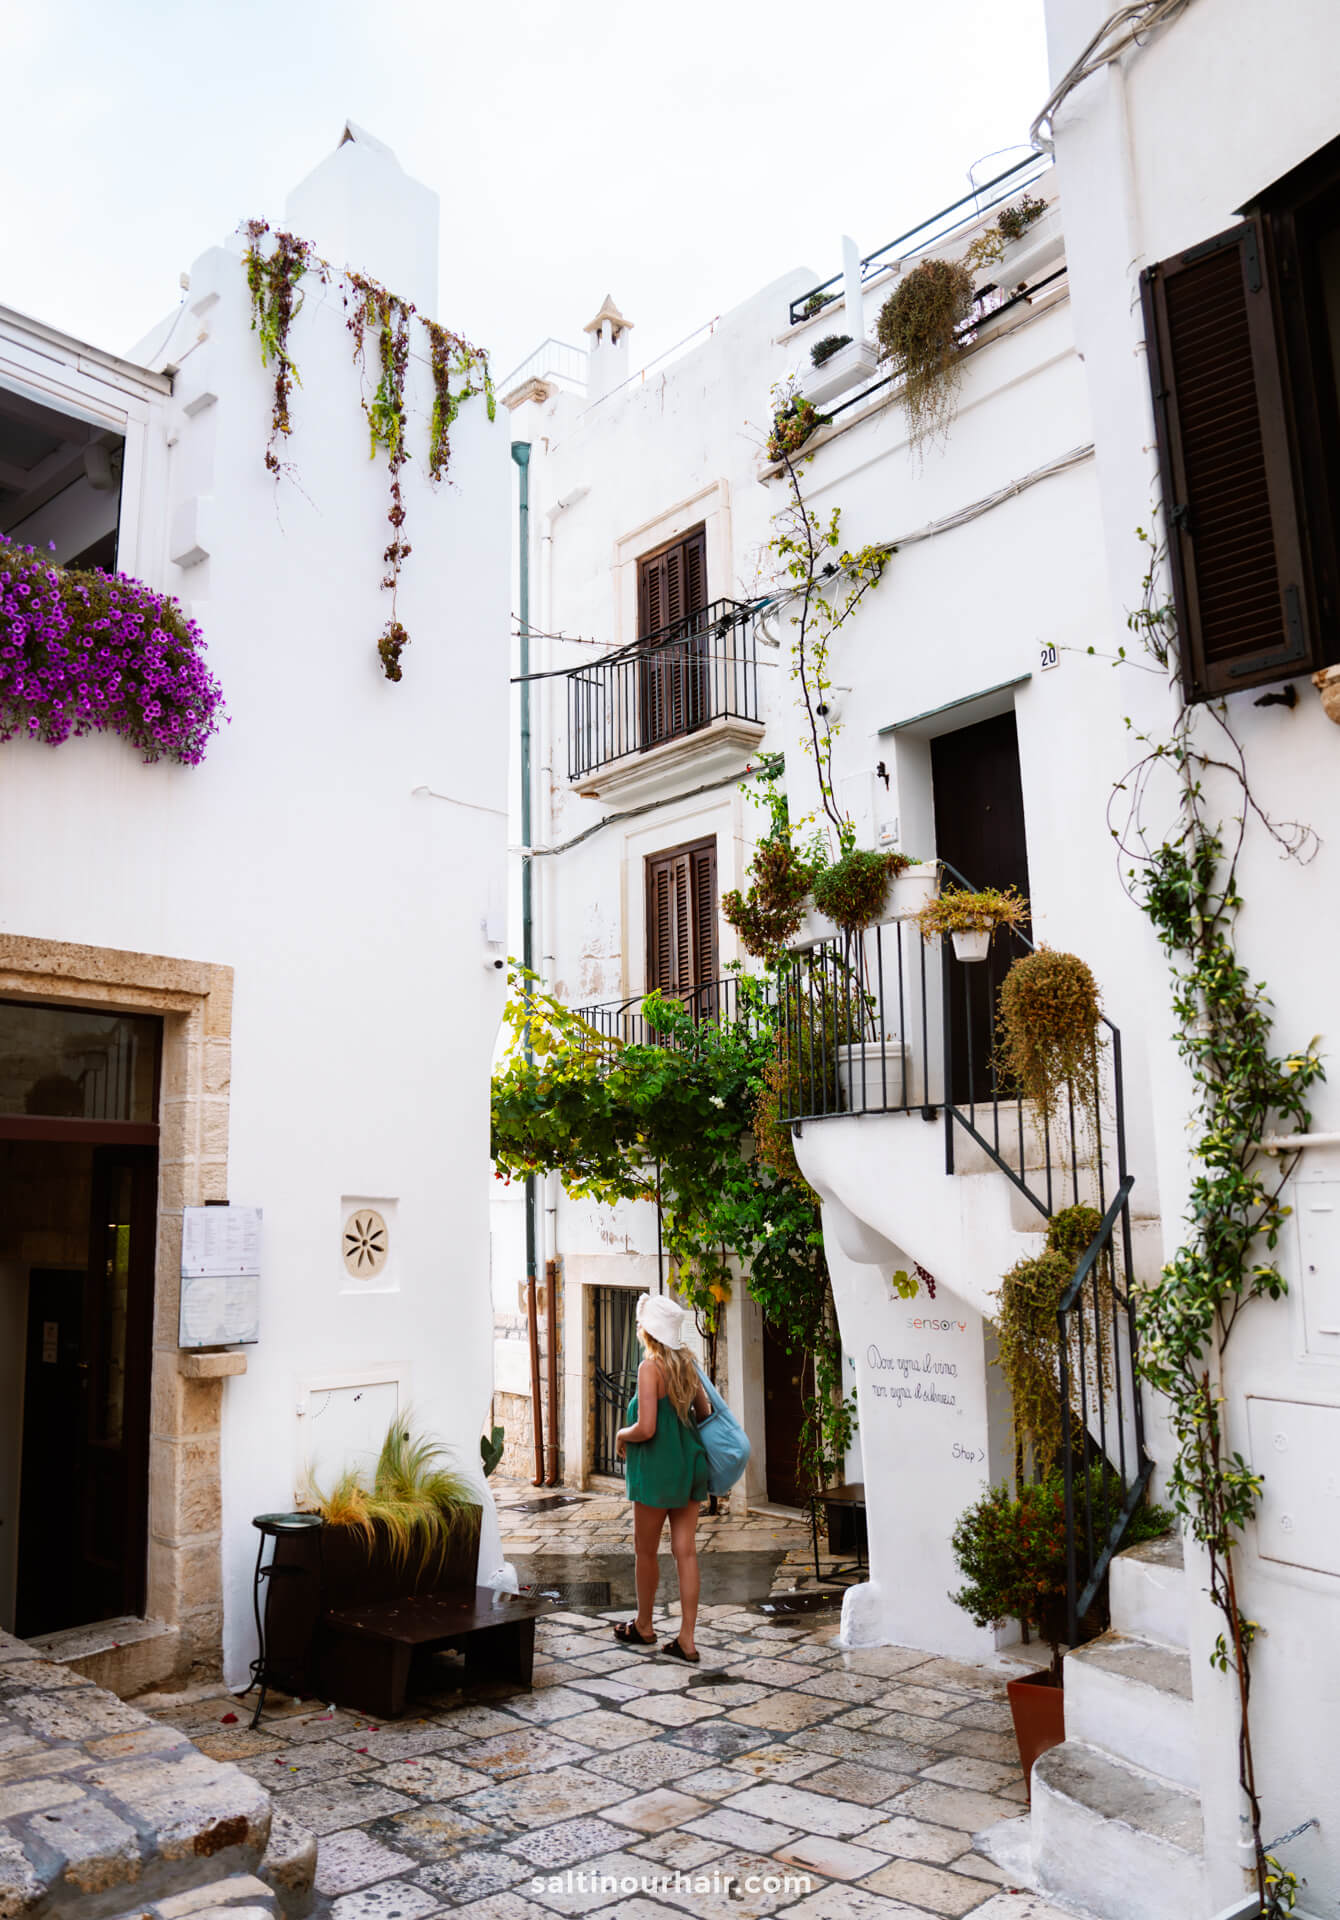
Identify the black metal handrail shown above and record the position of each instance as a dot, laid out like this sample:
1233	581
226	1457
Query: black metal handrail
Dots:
1105	1436
867	1027
673	682
928	233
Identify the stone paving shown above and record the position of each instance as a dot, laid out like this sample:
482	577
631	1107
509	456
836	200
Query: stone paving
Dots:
781	1776
600	1522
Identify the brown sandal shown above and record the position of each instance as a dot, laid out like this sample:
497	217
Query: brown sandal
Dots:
626	1630
676	1652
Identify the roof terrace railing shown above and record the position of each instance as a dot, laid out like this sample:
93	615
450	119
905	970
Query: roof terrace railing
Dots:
929	233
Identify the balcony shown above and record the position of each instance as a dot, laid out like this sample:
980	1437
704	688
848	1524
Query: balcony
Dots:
683	699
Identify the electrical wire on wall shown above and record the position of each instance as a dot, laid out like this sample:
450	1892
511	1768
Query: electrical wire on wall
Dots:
1122	29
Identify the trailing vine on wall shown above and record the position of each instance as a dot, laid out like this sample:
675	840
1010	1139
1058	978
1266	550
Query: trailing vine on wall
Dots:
1186	882
274	276
273	281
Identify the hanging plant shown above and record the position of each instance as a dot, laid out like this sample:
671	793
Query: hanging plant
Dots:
389	316
273	280
918	333
852	891
1048	1032
448	354
962	911
1030	1294
83	651
768	914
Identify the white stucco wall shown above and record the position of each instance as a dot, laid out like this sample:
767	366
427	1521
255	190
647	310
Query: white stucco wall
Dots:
301	855
1156	156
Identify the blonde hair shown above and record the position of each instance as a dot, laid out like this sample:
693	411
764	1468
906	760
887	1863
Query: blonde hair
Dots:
681	1375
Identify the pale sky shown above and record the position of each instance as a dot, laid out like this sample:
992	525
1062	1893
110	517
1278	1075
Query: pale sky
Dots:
678	156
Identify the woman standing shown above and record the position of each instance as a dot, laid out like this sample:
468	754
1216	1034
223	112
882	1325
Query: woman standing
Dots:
666	1470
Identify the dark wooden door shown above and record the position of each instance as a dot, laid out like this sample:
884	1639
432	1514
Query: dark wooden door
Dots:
672	598
979	829
787	1379
84	1485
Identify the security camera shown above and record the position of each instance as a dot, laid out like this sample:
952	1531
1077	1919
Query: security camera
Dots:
494	965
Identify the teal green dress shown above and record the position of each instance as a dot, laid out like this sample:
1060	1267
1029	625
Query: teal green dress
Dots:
670	1469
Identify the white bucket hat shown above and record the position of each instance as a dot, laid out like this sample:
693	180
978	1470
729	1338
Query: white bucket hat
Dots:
662	1319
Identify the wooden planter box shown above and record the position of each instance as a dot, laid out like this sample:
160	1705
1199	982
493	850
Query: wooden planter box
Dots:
330	1570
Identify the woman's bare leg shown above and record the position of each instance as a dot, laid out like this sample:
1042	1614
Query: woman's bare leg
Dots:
684	1546
648	1523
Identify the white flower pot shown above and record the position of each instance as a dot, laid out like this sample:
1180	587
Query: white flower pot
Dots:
914	889
1036	253
971	943
815	928
851	366
870	1076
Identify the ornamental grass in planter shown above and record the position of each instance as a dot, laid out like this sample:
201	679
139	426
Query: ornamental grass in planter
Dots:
414	1528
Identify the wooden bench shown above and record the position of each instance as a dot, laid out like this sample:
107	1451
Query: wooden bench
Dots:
371	1657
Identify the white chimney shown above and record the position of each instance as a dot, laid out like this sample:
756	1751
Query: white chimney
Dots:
607	360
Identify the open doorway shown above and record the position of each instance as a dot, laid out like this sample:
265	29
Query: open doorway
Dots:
78	1196
979	830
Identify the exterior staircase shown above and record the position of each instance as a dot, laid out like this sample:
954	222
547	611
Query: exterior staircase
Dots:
1116	1818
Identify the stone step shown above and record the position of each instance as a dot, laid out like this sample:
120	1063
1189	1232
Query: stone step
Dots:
1115	1840
127	1655
1131	1699
240	1897
1147	1591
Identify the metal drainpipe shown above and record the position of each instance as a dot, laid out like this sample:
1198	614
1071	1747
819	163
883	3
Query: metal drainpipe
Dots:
521	454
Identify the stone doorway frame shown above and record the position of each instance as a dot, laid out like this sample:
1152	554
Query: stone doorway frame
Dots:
183	1627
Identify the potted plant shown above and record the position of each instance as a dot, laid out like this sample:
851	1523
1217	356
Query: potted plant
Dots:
970	918
768	914
854	890
918	333
1031	231
837	364
1048	1026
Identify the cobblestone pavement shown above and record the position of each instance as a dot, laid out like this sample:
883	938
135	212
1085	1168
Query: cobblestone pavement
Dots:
601	1522
781	1776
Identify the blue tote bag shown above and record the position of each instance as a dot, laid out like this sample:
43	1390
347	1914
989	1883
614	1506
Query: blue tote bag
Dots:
724	1441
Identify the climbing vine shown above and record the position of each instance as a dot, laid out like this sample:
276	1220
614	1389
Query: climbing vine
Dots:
1187	885
827	582
274	276
686	1118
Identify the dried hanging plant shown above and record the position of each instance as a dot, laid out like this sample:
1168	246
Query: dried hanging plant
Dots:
1048	1033
917	329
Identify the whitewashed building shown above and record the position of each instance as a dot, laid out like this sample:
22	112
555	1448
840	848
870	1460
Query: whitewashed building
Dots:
262	980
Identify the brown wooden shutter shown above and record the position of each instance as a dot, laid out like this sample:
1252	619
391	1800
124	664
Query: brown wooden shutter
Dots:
681	918
1229	494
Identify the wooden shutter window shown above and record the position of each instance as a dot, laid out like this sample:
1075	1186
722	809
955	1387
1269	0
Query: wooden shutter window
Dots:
1224	454
682	918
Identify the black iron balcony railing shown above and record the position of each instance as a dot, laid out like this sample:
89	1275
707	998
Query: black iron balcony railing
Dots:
927	233
726	1000
676	681
873	1023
